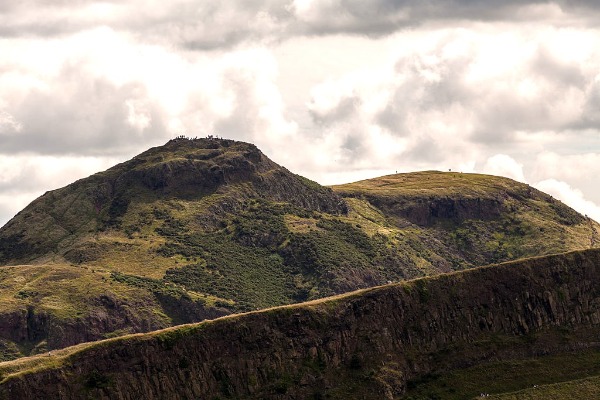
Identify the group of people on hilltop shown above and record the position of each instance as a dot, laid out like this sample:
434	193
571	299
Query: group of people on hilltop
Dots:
209	137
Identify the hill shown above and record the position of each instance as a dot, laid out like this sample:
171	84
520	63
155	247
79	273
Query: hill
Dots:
478	219
200	228
494	329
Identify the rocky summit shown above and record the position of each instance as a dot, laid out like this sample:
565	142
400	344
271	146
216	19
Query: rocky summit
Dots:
202	228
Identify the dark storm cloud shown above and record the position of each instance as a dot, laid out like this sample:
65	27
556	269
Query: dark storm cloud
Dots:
343	110
381	17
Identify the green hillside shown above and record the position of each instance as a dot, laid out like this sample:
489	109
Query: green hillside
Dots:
200	228
477	218
587	388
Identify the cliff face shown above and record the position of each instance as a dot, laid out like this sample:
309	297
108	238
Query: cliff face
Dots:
366	344
427	211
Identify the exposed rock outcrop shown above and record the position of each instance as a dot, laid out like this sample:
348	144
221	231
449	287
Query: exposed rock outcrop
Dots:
428	211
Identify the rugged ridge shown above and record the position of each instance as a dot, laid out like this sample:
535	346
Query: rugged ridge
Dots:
199	228
368	344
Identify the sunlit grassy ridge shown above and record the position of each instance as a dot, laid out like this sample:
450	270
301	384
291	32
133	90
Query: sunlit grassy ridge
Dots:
198	228
435	183
475	214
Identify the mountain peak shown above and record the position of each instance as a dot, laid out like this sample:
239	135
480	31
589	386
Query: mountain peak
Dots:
183	169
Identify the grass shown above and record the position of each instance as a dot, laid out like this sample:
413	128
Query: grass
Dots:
550	375
432	184
587	388
371	220
66	294
33	284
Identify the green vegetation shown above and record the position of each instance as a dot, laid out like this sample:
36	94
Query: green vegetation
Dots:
250	277
588	388
494	378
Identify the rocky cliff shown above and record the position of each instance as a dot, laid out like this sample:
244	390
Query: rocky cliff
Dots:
367	344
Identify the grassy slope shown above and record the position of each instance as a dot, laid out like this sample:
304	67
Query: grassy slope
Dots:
551	377
586	388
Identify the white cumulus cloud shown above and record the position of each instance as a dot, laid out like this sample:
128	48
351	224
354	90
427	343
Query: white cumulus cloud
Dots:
570	196
503	165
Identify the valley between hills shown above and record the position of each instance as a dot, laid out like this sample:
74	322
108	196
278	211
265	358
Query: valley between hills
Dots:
411	285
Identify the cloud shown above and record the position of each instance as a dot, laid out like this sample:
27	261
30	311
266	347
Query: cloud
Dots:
383	17
33	173
503	165
457	96
579	170
104	94
76	99
568	167
25	177
570	196
8	124
219	25
187	23
11	204
89	116
257	112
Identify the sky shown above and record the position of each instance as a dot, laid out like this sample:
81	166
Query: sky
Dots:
335	90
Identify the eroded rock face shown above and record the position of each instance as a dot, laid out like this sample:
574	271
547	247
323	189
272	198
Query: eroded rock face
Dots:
428	211
43	331
385	335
